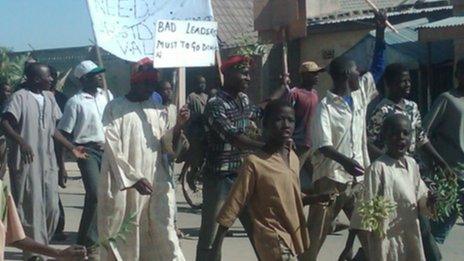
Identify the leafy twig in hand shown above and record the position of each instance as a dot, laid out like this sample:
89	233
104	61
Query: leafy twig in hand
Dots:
374	212
448	193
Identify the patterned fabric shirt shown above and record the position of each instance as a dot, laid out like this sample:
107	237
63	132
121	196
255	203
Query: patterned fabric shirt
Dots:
227	117
407	108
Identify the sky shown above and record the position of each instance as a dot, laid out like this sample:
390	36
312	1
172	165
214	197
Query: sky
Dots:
44	24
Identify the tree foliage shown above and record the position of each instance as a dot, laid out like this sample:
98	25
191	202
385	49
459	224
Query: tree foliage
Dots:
11	66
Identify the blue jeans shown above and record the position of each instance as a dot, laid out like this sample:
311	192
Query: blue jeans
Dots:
441	229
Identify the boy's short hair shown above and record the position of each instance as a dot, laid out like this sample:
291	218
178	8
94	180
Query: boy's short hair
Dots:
391	120
393	71
160	84
32	69
339	66
272	108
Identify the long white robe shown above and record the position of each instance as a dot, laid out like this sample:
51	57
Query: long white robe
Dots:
400	182
134	132
34	186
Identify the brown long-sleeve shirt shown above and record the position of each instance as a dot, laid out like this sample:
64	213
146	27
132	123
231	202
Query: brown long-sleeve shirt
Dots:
271	191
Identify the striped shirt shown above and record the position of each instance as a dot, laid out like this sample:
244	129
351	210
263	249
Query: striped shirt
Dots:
226	118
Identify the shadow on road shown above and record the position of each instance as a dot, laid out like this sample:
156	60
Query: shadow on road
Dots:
72	193
13	256
188	210
194	232
76	207
70	239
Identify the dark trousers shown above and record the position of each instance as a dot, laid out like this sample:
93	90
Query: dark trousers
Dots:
61	221
215	192
431	250
3	156
90	172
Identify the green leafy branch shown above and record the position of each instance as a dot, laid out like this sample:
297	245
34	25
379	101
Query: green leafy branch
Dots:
249	47
374	212
448	193
11	66
127	225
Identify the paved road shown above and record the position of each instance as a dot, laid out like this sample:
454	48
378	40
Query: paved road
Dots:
236	245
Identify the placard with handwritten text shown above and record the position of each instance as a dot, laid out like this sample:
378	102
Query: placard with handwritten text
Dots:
126	28
185	43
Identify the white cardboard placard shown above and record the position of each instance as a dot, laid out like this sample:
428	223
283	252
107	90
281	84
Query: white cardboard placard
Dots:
185	43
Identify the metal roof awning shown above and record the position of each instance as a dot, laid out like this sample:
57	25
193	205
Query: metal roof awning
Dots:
446	29
403	47
369	15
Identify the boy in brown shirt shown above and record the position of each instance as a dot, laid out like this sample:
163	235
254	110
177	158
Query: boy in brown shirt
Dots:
268	186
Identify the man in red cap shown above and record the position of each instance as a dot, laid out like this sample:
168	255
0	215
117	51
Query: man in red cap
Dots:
229	115
136	188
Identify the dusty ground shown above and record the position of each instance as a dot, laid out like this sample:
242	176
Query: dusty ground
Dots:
236	246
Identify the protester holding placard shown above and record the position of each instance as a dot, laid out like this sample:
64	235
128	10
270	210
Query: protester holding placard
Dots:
136	196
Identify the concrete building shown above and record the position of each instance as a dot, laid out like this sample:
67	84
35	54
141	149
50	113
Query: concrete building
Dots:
333	28
331	35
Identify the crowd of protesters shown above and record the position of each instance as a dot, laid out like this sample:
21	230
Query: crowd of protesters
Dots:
330	153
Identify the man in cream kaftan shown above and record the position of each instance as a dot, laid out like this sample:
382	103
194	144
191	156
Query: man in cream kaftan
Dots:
134	132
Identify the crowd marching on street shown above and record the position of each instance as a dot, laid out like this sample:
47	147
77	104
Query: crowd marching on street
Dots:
334	152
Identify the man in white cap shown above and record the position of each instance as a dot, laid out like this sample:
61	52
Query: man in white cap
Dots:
82	119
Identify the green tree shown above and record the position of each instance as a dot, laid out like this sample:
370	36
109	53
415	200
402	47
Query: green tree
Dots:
12	66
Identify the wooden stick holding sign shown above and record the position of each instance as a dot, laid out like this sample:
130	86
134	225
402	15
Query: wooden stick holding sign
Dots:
284	52
182	89
219	64
285	77
99	58
100	63
376	9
